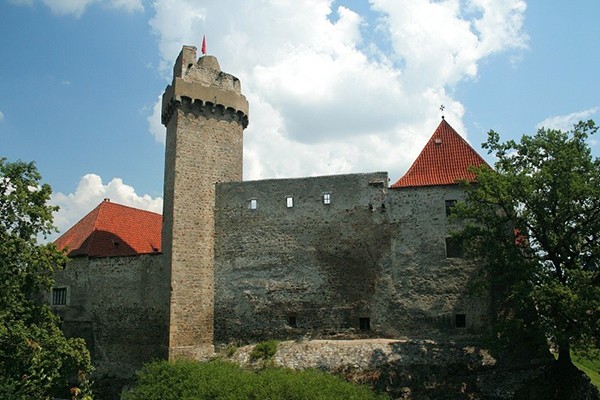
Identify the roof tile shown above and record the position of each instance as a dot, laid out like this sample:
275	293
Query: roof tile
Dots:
445	160
113	229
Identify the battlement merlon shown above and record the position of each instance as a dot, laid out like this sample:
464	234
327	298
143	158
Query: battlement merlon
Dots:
202	84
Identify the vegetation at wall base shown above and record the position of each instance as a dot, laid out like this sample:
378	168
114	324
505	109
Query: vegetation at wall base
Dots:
264	350
193	380
36	360
534	221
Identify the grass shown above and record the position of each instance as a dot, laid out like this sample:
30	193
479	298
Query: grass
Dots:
590	367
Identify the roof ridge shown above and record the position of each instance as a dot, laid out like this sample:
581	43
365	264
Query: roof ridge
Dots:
108	201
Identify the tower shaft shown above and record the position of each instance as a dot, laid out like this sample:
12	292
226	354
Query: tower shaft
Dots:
205	114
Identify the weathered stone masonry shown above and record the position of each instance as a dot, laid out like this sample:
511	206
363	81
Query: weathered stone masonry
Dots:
119	305
309	262
373	259
205	114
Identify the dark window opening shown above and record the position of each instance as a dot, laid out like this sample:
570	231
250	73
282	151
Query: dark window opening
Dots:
460	320
292	321
454	248
449	205
59	296
364	324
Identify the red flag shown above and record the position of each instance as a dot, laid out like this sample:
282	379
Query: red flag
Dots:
203	44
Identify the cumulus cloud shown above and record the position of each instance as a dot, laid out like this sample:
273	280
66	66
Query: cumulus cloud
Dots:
566	122
77	7
90	192
331	91
157	129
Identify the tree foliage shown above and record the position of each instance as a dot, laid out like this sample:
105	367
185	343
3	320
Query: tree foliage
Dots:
535	221
36	360
185	379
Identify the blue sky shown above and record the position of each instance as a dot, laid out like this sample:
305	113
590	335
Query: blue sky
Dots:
334	86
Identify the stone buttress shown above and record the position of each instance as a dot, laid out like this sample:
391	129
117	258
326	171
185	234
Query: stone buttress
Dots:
205	114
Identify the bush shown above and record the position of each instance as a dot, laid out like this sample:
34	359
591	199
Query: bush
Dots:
264	350
192	380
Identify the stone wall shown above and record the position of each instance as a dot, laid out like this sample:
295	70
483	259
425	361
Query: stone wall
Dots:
412	369
281	270
373	261
426	289
119	306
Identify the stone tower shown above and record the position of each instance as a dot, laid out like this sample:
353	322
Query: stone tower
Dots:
205	114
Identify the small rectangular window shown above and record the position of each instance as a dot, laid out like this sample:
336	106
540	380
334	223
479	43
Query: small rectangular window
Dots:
59	296
460	320
289	201
449	205
326	198
364	324
292	321
253	204
454	248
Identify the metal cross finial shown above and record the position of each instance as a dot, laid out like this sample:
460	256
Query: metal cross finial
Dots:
442	108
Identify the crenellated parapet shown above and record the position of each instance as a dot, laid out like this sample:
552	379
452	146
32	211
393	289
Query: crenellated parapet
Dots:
208	109
201	88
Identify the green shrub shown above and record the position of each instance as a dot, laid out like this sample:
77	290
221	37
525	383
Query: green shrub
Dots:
191	380
230	350
264	350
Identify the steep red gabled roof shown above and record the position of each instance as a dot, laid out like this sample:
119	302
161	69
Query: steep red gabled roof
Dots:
444	160
113	229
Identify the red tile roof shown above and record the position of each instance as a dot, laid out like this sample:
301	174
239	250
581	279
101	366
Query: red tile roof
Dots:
113	229
444	160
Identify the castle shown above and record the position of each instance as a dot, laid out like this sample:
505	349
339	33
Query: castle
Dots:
233	261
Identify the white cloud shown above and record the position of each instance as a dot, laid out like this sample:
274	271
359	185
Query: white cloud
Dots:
1	116
78	7
128	5
157	129
324	96
90	192
566	122
64	7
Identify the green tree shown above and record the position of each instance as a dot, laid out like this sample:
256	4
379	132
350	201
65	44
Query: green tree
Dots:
36	360
535	221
